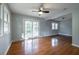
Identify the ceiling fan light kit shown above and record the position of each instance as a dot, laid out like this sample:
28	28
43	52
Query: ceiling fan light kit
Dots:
40	12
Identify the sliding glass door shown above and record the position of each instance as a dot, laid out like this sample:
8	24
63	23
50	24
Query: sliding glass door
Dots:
31	29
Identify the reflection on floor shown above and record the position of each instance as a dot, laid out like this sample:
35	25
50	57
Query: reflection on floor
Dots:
54	42
31	45
52	45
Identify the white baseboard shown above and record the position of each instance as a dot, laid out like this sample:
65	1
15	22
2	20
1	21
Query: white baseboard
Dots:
17	40
7	48
47	35
64	34
75	45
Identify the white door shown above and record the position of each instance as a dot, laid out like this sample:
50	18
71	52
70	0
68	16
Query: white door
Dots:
31	29
35	29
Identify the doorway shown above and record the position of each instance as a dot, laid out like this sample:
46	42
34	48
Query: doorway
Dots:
31	29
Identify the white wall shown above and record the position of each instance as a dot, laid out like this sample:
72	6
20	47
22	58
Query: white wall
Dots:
65	27
45	28
75	26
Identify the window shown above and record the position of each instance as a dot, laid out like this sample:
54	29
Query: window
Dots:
54	26
1	20
6	22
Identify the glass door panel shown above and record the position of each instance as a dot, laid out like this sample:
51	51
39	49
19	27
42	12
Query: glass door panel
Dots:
35	29
31	29
28	29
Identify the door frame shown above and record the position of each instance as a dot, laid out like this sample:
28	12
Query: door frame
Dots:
32	27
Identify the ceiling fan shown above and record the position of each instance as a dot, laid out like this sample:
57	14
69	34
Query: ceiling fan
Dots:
41	10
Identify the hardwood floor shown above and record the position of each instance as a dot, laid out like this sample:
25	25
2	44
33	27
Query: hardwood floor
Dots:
56	45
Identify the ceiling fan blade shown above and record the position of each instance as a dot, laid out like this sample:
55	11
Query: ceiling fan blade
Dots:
45	11
35	11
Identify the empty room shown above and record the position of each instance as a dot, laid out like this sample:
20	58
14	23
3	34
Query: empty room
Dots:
39	28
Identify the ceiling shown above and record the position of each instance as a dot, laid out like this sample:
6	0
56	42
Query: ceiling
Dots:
56	9
64	17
